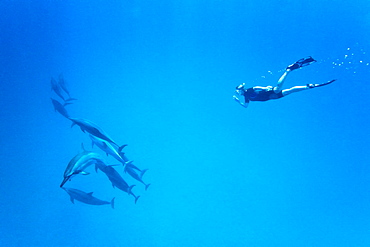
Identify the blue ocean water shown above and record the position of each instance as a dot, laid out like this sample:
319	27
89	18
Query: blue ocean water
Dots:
159	76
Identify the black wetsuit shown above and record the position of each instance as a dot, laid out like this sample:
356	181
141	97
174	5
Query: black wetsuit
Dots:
261	95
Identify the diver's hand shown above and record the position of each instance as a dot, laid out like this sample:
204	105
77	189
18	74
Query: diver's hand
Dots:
237	100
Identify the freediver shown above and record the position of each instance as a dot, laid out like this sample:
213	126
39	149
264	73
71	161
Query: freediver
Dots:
259	93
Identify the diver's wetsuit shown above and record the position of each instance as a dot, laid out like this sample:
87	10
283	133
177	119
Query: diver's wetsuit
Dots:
261	95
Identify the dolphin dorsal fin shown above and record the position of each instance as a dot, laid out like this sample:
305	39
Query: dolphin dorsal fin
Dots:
90	193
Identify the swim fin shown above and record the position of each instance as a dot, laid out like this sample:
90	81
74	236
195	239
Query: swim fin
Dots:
301	63
320	85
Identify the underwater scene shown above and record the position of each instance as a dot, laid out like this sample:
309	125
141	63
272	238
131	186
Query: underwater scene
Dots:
185	123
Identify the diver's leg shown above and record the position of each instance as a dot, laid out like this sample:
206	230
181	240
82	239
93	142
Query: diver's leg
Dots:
280	82
294	90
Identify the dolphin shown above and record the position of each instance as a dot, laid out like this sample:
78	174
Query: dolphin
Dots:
91	128
60	108
79	163
114	150
63	86
56	88
130	170
115	178
108	147
87	198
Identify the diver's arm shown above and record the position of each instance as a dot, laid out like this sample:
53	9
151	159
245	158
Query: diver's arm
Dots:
245	104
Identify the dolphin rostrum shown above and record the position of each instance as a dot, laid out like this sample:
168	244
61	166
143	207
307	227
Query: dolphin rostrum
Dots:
87	198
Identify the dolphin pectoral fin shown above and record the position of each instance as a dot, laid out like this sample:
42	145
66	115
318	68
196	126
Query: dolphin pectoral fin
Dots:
112	202
129	191
72	200
84	173
142	173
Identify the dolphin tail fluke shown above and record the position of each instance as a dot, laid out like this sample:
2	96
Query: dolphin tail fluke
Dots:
136	198
112	203
147	186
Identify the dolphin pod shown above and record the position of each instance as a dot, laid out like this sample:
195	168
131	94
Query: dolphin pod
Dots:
80	163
